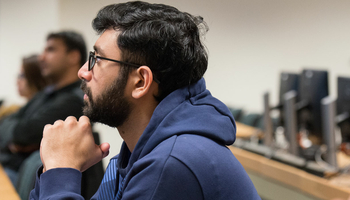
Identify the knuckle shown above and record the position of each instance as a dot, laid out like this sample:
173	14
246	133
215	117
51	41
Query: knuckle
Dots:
58	123
84	118
85	125
71	118
47	127
84	122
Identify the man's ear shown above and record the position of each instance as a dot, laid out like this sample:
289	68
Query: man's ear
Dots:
142	82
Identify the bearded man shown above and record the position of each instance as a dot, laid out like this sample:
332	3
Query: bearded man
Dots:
145	77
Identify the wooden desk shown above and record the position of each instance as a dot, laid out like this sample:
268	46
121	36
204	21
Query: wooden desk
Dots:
7	191
284	174
245	131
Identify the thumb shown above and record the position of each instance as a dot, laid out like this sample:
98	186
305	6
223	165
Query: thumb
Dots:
104	149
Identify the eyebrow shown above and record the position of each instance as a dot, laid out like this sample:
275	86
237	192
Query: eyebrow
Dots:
98	50
48	48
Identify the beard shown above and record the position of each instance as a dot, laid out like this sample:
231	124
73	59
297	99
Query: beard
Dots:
110	107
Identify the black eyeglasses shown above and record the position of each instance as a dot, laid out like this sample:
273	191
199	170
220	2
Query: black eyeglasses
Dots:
92	61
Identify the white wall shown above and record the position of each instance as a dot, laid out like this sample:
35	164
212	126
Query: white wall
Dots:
253	41
250	42
23	29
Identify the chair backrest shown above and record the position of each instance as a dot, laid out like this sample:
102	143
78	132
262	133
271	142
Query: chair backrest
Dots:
251	119
237	113
26	177
92	177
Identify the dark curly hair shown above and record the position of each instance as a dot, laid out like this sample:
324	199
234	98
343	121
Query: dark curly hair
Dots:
161	37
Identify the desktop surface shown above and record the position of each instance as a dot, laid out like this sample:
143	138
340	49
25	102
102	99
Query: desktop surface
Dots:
7	191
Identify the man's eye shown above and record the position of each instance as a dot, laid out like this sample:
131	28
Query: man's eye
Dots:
51	49
98	59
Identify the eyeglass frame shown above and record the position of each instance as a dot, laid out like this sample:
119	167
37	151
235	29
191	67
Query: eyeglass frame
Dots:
92	55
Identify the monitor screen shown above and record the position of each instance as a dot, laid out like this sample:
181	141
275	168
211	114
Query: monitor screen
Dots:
288	82
313	87
343	107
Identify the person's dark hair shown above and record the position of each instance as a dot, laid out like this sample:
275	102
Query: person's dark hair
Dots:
161	37
73	41
31	70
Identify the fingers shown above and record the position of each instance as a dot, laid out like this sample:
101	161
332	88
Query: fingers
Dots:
100	152
70	119
84	119
46	127
58	122
70	144
85	124
42	160
105	149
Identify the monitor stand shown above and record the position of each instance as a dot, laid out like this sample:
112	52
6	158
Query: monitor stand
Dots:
289	159
258	149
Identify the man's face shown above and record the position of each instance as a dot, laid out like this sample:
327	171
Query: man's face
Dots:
110	107
54	59
104	86
24	89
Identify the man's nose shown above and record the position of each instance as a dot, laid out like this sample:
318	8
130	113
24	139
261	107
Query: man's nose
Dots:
41	57
84	73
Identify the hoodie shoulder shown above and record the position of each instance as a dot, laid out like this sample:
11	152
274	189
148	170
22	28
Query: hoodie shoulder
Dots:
217	170
202	166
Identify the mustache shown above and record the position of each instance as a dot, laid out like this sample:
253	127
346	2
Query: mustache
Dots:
85	89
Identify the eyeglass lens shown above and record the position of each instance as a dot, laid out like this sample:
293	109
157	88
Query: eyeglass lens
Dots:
91	61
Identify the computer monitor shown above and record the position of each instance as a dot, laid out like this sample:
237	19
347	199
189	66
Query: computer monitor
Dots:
343	108
288	82
313	87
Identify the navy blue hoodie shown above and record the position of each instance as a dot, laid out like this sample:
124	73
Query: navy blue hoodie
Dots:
181	155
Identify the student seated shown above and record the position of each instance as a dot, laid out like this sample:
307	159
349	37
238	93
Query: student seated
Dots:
21	132
145	78
29	82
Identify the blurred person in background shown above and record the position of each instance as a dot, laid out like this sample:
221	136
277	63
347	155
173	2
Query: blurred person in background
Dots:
29	82
21	132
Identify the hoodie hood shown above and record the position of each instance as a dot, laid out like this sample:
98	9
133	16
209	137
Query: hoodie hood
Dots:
188	110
